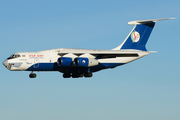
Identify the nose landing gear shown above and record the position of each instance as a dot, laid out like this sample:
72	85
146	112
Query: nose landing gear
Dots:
32	75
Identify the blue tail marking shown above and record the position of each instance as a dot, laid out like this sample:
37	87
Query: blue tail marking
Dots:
139	36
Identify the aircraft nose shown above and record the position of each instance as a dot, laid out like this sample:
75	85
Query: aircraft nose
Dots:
5	63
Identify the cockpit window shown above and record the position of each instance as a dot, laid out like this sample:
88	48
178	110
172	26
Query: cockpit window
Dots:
14	56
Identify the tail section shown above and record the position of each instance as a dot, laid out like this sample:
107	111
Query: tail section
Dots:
138	38
139	35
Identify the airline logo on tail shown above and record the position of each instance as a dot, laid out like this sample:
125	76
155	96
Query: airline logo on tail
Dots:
135	36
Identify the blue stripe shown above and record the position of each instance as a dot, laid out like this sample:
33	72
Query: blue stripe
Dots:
42	67
110	65
104	66
55	67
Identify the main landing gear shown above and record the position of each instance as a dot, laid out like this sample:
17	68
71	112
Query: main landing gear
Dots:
32	75
76	75
67	75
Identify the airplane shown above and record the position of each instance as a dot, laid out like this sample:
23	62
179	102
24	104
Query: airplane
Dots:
77	63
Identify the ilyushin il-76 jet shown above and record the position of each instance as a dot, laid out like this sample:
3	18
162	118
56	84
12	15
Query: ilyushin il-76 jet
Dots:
77	63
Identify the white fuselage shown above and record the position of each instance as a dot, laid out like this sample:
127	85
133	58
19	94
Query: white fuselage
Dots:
44	60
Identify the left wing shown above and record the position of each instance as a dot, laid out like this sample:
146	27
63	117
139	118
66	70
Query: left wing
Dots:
99	54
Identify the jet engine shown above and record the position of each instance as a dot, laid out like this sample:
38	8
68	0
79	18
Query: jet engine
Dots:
85	62
64	61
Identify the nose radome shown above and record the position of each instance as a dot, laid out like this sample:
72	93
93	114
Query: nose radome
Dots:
5	63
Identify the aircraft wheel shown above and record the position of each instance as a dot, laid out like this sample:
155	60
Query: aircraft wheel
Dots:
75	75
88	75
32	75
66	75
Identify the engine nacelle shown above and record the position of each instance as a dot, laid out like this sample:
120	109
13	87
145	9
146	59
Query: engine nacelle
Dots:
64	61
85	62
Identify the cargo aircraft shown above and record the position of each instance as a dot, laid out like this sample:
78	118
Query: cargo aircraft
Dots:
77	63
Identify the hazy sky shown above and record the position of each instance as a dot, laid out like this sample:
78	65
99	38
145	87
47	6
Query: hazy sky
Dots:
146	89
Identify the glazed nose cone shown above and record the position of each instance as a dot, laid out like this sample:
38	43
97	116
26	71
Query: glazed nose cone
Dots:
5	63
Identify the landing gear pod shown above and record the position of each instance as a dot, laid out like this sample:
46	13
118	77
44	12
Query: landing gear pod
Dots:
85	62
64	61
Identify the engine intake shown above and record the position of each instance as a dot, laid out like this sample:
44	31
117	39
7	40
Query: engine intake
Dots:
85	62
64	61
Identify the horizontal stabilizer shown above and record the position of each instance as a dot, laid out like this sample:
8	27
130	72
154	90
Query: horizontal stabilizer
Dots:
147	21
153	51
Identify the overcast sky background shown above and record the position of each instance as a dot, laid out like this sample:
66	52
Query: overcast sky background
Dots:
146	89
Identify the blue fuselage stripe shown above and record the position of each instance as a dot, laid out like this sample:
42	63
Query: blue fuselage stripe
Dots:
55	67
41	67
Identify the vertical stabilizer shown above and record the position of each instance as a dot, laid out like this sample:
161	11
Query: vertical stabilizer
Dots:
139	35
